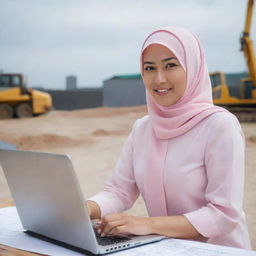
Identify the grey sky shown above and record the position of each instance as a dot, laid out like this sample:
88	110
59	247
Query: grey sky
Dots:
94	40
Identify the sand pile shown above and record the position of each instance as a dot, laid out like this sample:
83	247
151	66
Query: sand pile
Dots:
94	138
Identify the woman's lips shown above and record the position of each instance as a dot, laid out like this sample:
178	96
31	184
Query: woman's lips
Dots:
162	91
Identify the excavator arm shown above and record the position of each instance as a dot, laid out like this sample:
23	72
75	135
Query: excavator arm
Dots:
247	43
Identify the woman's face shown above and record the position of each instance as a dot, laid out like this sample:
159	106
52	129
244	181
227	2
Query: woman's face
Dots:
163	75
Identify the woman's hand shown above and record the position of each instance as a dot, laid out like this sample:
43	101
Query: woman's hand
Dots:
170	226
122	223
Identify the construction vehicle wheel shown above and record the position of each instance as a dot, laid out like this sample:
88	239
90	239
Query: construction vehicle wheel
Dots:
6	111
24	110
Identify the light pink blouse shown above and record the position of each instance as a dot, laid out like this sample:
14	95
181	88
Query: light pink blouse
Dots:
203	178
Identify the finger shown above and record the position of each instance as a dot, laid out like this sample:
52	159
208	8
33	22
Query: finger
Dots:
97	222
107	219
110	226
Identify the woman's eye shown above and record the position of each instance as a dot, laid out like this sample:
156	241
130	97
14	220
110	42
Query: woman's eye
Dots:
148	68
170	65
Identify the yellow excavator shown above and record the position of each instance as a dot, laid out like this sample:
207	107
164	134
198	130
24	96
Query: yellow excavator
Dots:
18	100
244	104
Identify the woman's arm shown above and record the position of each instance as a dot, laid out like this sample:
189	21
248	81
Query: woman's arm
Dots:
224	164
171	226
174	226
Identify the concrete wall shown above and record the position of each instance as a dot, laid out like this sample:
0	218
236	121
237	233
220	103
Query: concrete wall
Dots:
123	92
76	99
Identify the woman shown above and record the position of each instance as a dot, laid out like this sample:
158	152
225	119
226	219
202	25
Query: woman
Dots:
186	158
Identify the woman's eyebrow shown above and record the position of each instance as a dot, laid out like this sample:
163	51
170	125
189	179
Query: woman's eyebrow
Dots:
148	62
164	60
167	59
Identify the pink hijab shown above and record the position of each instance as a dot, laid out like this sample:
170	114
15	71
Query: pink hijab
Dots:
196	103
175	120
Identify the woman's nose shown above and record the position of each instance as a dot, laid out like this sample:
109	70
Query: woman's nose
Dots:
160	77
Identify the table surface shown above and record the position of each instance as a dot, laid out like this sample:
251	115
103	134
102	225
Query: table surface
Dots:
9	251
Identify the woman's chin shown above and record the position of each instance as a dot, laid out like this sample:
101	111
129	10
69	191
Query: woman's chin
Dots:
165	103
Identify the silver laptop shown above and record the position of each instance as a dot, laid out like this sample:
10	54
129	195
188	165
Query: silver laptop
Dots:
50	202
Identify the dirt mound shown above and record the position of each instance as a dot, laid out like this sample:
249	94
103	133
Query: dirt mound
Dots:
102	132
252	139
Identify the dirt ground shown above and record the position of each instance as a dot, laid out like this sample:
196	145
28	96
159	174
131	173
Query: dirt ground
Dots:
94	138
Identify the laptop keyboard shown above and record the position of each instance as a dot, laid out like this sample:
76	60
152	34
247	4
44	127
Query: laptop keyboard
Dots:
108	240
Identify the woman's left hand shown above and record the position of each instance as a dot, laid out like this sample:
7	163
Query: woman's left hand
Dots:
122	223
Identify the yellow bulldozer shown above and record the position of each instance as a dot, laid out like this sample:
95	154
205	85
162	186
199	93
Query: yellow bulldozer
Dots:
16	100
243	104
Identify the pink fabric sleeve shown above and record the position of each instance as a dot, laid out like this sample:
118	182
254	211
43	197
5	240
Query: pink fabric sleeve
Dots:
120	190
224	163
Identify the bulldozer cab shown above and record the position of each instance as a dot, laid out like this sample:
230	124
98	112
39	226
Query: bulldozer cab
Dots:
11	80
